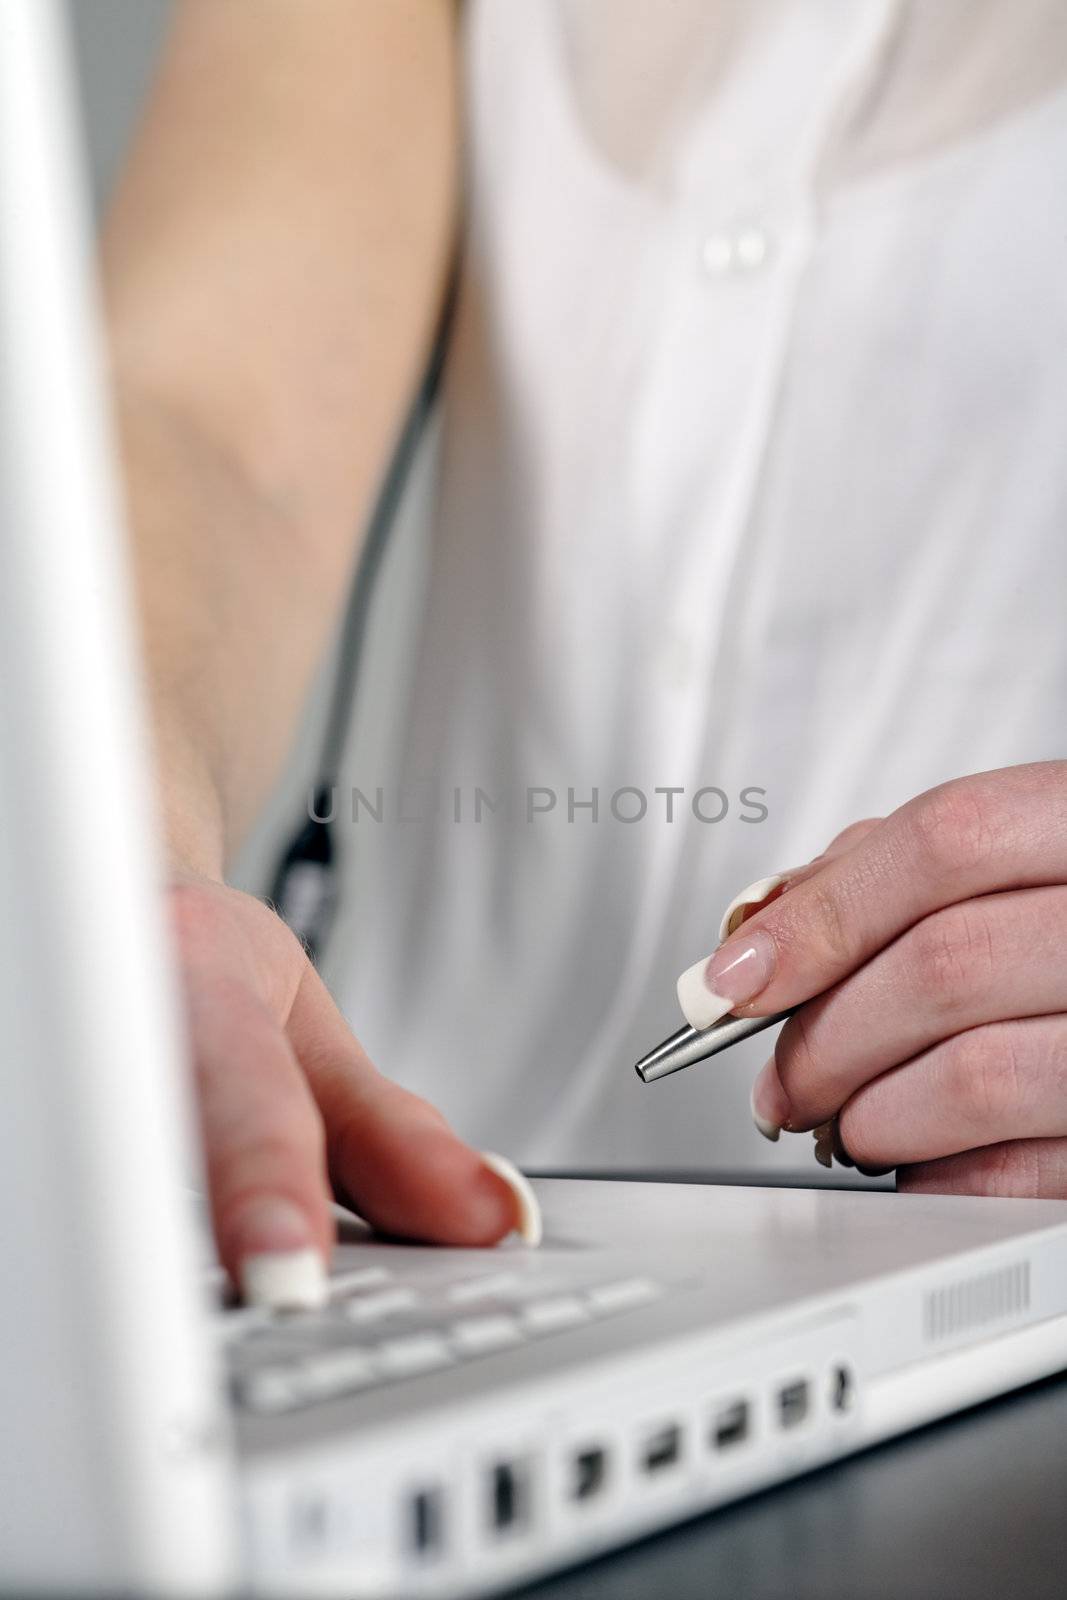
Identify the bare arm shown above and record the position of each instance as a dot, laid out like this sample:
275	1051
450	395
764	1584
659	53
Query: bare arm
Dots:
274	262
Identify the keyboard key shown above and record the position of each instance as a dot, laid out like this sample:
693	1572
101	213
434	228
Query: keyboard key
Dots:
359	1278
271	1390
369	1308
492	1286
416	1352
546	1316
476	1336
625	1295
336	1372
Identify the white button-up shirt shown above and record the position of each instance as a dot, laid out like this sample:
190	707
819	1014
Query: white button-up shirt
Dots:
753	500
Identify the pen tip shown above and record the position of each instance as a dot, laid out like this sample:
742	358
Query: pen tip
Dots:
668	1056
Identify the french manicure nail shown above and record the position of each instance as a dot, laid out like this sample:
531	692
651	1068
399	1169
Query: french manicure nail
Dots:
754	894
528	1223
770	1130
768	1102
278	1263
700	1007
736	973
284	1280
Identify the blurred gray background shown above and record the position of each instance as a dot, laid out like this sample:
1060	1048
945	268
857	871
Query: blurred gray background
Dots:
116	44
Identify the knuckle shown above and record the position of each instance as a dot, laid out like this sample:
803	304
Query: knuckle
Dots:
285	1144
983	1076
271	1157
952	829
829	927
853	833
296	1127
952	954
1008	1170
222	934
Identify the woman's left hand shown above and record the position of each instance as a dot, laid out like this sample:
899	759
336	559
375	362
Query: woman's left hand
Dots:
931	950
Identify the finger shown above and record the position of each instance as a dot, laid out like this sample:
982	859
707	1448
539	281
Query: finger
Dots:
262	1134
264	1147
1004	1081
981	961
754	896
390	1152
849	837
700	1006
1033	1169
996	831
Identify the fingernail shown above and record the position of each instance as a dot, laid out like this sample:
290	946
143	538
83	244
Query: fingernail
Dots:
279	1267
284	1280
700	1007
741	969
528	1224
770	1130
824	1144
753	895
736	973
770	1107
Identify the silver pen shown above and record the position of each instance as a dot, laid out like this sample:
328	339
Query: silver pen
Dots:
690	1045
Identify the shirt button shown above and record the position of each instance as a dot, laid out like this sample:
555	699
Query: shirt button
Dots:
718	254
734	251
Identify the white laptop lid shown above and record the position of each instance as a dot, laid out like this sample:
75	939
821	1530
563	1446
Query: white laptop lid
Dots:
114	1461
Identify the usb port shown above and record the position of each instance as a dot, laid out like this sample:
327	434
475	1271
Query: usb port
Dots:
662	1449
509	1496
794	1402
426	1521
731	1425
589	1473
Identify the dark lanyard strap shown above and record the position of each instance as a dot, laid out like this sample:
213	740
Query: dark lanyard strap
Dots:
303	889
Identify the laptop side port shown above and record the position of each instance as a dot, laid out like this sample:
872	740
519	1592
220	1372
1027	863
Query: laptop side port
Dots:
508	1496
588	1474
731	1425
842	1388
661	1449
426	1522
794	1403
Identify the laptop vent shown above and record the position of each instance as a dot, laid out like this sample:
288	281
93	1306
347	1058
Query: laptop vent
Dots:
975	1302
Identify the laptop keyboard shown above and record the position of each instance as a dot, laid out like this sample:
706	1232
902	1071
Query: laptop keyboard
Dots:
380	1328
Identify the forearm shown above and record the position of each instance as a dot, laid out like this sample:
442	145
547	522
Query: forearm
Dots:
274	263
231	620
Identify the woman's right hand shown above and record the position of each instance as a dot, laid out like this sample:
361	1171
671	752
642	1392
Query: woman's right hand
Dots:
290	1105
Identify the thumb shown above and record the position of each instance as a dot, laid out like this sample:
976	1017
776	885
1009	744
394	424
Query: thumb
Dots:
390	1152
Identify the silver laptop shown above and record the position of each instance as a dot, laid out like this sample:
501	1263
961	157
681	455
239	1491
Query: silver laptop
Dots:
453	1421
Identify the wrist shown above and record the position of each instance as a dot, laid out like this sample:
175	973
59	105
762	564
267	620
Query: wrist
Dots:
191	811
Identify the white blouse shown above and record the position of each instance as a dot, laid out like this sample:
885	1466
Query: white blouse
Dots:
754	479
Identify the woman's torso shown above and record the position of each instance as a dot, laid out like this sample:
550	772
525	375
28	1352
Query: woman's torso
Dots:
754	477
